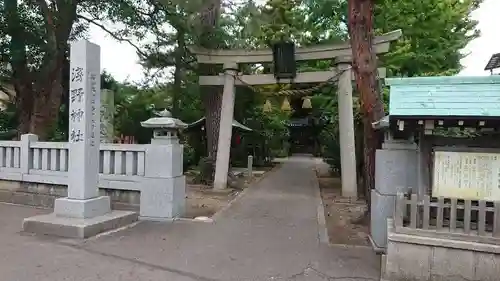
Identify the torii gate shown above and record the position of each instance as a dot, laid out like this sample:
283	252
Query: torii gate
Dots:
340	54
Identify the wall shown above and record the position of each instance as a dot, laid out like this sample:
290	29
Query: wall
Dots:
418	258
43	195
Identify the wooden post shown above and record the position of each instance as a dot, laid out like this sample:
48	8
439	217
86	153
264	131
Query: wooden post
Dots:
496	220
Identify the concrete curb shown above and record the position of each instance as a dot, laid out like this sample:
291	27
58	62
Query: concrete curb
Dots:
322	228
323	236
28	206
238	197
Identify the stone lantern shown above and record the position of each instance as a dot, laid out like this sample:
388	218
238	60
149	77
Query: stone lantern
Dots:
165	128
166	196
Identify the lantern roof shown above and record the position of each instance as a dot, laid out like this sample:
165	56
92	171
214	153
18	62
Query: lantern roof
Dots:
164	121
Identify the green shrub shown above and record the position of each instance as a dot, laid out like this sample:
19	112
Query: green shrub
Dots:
330	149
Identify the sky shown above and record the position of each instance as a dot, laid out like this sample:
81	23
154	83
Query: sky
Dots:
120	59
481	49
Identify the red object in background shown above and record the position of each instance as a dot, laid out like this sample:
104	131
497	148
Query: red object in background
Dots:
237	139
126	139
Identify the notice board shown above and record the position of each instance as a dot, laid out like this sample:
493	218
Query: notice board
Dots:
466	175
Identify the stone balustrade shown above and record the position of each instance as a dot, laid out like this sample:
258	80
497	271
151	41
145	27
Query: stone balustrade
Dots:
44	165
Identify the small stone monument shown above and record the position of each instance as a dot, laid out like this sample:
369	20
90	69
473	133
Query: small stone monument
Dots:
166	194
107	115
83	213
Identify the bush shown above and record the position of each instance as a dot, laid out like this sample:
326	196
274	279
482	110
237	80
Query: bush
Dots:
189	157
330	149
206	166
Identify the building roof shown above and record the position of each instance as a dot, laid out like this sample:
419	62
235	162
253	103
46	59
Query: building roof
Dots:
445	96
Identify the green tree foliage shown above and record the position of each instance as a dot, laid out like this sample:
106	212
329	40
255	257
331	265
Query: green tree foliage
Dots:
434	32
282	21
34	37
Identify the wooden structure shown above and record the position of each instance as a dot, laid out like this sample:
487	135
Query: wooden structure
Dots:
446	220
466	220
340	56
196	133
440	140
442	239
453	118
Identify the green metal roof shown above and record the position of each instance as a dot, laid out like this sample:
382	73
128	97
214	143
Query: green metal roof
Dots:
453	96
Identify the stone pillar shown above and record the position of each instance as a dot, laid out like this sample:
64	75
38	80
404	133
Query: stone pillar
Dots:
396	169
26	161
84	123
346	130
225	126
250	167
83	213
107	116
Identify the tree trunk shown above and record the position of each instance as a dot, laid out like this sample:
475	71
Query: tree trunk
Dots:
24	103
21	77
39	92
212	96
46	107
365	67
213	101
370	141
178	72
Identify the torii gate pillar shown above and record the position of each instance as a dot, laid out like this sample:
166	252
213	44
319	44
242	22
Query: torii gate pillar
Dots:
225	126
346	129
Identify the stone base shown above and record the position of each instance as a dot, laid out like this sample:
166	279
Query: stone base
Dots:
52	224
82	208
163	199
44	195
377	249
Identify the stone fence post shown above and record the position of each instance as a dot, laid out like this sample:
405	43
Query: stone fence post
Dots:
250	167
26	160
163	194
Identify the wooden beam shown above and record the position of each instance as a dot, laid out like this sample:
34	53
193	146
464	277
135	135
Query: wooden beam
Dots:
268	79
330	51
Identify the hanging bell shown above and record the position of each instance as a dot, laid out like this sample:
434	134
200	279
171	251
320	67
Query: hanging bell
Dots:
286	105
307	103
268	107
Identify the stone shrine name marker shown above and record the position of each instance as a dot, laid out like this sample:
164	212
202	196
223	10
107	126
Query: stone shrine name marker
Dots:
83	213
84	123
